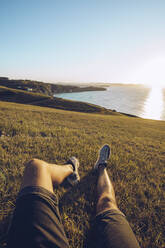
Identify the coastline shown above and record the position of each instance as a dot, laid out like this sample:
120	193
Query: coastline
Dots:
48	89
130	100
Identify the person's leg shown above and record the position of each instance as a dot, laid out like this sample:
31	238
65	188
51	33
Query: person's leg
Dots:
111	228
40	173
36	220
105	192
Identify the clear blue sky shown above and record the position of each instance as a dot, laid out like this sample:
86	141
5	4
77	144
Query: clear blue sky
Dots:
83	40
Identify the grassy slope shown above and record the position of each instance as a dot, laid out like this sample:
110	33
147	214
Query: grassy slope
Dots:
136	165
20	96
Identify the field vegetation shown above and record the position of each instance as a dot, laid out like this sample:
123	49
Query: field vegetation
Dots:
136	165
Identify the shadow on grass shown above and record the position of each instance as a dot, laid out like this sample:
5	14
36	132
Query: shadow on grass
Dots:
86	189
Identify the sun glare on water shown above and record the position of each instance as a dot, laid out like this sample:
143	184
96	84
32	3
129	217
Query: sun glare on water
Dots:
153	76
153	107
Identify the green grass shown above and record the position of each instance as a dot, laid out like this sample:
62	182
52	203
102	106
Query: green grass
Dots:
136	165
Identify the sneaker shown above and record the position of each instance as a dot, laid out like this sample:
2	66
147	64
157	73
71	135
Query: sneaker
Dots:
73	178
104	155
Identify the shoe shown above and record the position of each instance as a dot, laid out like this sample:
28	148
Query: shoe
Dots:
73	178
104	155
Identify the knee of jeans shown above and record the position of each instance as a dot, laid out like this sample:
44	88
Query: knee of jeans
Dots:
106	202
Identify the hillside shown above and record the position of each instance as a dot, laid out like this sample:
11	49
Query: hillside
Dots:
45	88
136	165
20	96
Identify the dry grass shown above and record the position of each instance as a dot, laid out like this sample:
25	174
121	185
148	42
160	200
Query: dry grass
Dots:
136	166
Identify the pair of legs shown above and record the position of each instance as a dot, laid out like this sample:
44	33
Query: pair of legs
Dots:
42	174
37	210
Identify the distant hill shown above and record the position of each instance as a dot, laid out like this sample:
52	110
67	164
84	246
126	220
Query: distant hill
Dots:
25	97
44	88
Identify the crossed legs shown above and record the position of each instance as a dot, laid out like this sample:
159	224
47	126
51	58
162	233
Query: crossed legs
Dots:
40	173
38	214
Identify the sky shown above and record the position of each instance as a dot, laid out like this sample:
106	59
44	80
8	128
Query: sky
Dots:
119	41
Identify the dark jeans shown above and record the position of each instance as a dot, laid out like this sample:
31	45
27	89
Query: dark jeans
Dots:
37	223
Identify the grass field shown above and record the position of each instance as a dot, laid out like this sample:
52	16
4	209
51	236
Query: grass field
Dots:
136	165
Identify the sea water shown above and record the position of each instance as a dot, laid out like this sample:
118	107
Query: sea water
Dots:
137	100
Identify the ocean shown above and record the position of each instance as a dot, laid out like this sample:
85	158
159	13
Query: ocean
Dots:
138	100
